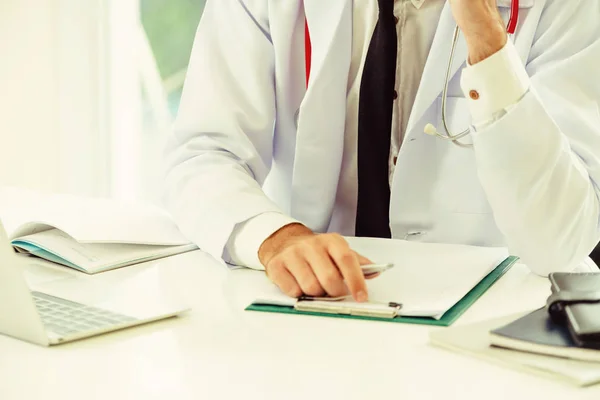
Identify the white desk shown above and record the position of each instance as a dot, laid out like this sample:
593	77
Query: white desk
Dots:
220	351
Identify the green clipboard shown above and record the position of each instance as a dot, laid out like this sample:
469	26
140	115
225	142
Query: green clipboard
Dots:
447	319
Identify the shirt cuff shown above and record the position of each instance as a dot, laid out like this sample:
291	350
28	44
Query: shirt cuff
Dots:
248	236
494	84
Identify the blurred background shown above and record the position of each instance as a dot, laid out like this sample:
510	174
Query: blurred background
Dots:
89	90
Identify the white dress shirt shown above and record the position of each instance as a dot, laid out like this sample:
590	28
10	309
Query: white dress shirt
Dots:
501	81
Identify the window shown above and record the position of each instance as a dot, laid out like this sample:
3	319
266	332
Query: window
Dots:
103	79
170	27
160	35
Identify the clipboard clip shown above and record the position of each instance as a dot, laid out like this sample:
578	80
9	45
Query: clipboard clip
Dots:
327	305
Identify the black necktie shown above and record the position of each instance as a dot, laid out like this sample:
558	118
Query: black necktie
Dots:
375	126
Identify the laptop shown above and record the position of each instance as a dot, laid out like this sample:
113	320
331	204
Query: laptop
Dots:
46	320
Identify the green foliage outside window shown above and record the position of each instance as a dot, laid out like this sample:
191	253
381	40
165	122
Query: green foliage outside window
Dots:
171	26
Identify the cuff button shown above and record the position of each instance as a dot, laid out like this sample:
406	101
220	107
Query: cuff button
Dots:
474	94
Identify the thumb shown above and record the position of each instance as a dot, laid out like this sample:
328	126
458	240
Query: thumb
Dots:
363	260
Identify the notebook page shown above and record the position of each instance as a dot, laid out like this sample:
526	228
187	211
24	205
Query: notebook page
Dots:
96	220
55	245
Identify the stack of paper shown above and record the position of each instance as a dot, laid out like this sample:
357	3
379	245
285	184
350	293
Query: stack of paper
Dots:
474	340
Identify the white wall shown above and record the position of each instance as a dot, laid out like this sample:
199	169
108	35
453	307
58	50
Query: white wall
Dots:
28	93
124	91
53	134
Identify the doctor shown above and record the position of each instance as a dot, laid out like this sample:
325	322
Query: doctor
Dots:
300	118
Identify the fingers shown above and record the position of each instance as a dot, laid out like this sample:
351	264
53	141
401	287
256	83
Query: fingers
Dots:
326	271
305	276
278	273
319	265
372	276
347	262
363	260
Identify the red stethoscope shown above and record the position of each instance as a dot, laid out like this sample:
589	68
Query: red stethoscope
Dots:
511	28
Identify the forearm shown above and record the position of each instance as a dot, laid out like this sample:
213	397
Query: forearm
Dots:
209	193
540	191
220	151
482	27
536	138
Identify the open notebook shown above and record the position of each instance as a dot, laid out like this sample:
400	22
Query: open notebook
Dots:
433	283
91	234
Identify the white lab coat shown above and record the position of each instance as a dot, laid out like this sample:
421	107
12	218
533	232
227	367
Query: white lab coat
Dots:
250	138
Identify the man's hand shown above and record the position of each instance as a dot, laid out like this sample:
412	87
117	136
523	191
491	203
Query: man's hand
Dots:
482	26
302	262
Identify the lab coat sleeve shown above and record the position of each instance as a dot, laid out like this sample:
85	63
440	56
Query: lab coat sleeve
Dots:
502	81
248	236
220	150
539	163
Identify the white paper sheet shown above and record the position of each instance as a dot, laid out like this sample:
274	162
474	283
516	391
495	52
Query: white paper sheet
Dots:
91	220
427	278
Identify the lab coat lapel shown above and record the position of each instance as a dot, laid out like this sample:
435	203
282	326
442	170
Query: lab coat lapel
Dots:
434	73
321	119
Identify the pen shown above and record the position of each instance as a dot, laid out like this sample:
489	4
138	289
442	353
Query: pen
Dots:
371	269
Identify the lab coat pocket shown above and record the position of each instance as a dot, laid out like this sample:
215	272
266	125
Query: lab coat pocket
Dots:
458	189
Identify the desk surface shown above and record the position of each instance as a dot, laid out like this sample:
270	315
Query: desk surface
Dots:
220	351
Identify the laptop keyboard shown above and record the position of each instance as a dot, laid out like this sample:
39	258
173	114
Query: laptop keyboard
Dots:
65	317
